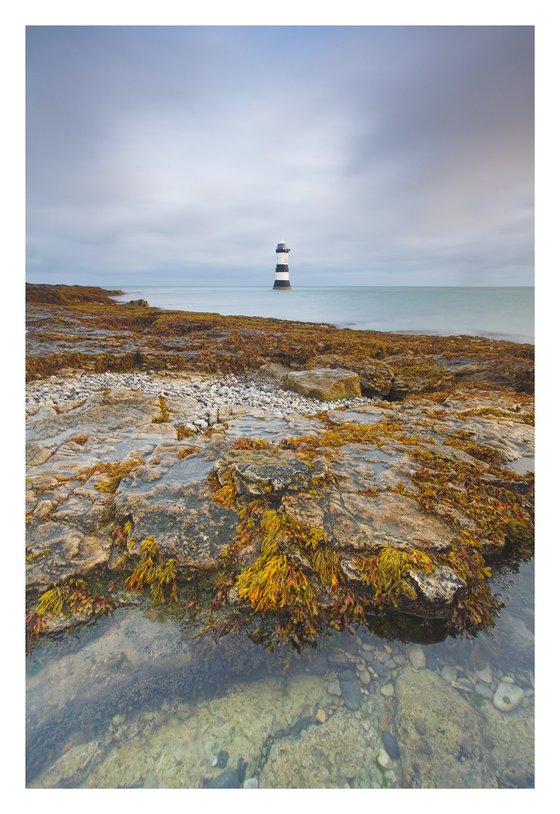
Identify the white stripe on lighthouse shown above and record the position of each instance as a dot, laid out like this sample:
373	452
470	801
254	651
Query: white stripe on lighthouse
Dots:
282	258
282	275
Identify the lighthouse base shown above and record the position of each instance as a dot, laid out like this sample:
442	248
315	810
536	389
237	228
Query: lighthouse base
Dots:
285	284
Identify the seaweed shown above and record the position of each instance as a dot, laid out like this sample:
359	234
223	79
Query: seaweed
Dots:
151	571
387	571
164	414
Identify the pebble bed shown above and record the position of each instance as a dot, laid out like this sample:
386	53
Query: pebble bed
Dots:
213	395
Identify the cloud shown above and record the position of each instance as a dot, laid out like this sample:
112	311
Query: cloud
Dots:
384	155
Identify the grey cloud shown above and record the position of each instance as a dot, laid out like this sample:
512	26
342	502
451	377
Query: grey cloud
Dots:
398	155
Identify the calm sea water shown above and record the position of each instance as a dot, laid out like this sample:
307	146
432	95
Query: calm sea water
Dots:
498	313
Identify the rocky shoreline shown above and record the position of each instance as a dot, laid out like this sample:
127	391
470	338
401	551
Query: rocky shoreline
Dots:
275	498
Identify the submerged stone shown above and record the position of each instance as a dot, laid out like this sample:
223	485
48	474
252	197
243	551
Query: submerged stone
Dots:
507	697
351	693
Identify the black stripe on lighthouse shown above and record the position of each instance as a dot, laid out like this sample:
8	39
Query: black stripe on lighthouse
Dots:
282	276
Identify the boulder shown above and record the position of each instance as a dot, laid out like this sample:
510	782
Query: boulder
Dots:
324	384
376	378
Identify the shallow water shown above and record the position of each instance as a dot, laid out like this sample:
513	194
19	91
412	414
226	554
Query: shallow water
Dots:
498	313
140	701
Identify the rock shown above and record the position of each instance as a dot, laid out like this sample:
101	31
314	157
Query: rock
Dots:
376	378
323	384
387	690
351	693
518	373
273	372
337	658
364	678
221	760
383	759
251	783
325	756
321	716
414	375
484	691
226	780
449	673
438	720
440	586
485	674
417	657
257	473
391	745
507	697
346	675
118	720
420	727
141	303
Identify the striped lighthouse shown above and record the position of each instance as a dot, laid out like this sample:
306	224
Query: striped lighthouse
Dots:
282	279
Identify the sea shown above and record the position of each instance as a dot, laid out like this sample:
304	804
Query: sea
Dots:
495	312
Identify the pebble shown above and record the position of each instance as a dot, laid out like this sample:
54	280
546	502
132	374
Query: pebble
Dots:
507	697
213	395
507	680
337	658
383	759
417	657
220	760
449	673
251	783
384	722
420	727
485	674
346	675
368	648
387	690
364	677
484	691
321	716
118	719
391	745
351	693
333	688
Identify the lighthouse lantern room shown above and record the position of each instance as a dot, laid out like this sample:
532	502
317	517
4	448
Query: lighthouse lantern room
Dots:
282	279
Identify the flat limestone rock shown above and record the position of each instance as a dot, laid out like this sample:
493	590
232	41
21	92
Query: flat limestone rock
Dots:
324	384
60	550
173	505
361	522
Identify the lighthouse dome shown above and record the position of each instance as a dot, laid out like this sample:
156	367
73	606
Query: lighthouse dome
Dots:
281	247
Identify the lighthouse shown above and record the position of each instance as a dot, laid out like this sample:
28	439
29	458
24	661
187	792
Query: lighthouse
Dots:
282	279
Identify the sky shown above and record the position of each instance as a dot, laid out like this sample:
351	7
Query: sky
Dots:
183	155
